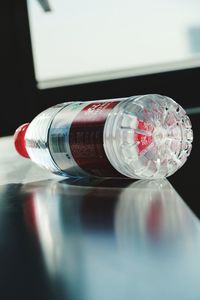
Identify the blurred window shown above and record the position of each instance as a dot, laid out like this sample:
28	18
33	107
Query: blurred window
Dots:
81	41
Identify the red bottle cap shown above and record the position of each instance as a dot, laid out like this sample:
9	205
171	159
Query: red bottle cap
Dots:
19	140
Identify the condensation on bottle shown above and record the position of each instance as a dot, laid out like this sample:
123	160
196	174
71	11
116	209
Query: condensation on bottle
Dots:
142	137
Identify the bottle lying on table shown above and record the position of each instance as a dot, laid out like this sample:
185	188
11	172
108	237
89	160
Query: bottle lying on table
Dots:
145	137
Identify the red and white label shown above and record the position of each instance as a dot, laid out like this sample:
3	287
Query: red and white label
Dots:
86	139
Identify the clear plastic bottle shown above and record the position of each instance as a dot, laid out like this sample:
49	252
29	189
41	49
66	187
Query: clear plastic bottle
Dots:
146	137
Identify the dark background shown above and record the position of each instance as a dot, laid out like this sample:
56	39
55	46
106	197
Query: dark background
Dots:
21	100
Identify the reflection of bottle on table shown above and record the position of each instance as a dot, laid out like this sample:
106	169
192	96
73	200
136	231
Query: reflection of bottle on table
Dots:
141	239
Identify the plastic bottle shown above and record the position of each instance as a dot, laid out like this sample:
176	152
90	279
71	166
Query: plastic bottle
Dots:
146	136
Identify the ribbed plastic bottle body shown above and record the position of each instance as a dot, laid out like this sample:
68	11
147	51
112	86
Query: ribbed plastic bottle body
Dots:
139	137
37	139
67	139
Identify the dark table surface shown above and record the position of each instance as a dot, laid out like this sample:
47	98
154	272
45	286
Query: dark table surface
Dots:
98	239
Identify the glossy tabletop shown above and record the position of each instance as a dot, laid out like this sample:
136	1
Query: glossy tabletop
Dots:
94	239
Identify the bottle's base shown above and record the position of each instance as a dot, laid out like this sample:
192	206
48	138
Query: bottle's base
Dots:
147	137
